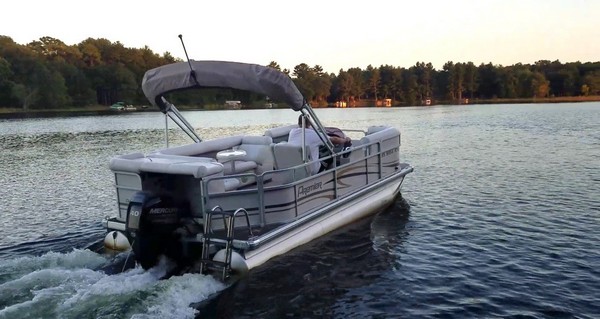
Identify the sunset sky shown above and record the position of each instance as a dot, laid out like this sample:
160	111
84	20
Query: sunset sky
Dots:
333	34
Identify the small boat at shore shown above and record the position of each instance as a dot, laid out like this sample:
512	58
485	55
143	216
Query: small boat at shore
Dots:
121	106
232	203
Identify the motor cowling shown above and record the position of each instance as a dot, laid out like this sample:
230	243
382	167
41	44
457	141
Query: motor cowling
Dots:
151	223
150	213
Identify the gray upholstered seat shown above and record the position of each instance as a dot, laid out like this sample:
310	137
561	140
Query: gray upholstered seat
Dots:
169	164
240	167
207	148
287	156
258	150
280	134
388	137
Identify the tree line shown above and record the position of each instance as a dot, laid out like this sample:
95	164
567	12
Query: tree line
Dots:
47	73
454	83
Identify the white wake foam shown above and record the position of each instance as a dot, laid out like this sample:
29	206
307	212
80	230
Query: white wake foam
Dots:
174	296
75	259
69	286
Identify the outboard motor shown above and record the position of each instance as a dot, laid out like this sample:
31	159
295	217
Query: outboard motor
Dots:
151	224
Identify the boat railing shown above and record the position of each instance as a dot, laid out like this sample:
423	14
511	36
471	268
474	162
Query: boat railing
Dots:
229	224
368	155
353	131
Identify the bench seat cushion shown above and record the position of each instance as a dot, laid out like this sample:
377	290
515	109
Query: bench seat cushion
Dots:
183	165
240	167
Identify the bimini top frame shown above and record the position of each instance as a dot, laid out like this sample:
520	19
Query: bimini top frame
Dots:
222	74
219	74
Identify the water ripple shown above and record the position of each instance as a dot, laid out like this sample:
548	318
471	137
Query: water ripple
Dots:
499	219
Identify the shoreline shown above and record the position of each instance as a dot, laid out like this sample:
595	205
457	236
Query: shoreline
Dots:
13	113
561	99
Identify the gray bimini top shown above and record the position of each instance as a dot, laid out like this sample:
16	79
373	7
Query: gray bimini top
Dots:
219	74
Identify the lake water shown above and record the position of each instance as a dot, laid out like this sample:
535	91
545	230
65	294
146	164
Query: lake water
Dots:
501	218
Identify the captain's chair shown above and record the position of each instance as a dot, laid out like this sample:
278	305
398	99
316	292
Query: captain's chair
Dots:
286	156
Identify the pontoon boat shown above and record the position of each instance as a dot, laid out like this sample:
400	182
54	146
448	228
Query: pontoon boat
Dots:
233	203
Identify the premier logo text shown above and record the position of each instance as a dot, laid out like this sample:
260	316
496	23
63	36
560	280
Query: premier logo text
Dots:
303	191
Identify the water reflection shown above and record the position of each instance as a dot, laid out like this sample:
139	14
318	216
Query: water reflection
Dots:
317	279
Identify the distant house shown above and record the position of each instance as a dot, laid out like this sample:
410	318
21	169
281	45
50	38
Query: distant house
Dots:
384	103
234	105
341	104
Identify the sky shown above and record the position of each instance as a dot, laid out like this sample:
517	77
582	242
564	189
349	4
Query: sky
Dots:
333	34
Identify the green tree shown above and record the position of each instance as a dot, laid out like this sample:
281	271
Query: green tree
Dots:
524	87
424	73
6	84
37	86
312	82
489	86
539	85
454	80
386	82
471	79
90	53
562	79
167	57
303	80
302	71
25	95
274	65
54	92
570	79
592	82
410	87
322	85
372	78
358	89
54	50
396	83
114	83
78	85
342	86
509	82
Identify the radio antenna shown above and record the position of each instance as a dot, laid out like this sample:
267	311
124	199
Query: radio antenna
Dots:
192	72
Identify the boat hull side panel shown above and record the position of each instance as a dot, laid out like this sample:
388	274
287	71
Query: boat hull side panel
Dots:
355	209
352	178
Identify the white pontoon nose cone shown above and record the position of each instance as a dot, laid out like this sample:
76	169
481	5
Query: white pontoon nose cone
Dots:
116	240
238	263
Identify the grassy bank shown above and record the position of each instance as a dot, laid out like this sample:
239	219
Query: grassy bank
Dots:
560	99
464	101
95	108
63	112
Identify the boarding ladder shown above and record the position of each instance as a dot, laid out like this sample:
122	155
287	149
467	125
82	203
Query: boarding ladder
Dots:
210	238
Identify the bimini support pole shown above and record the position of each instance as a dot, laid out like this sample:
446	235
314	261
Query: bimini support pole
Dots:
304	155
166	130
316	124
173	113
